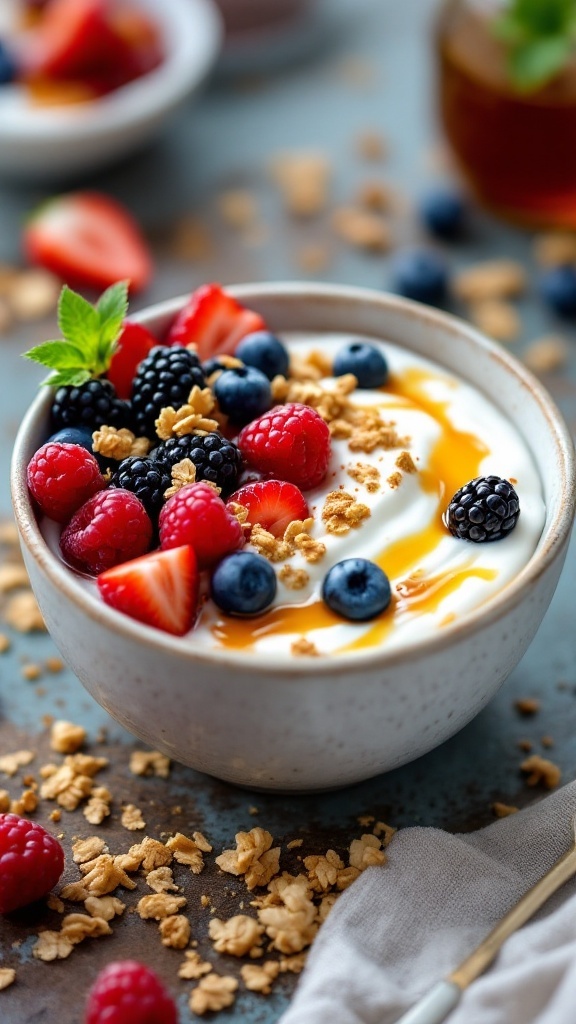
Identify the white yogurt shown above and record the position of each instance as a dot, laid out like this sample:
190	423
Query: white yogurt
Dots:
436	579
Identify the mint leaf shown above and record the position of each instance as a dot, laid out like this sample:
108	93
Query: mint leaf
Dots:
112	308
78	320
67	378
57	355
536	63
539	36
90	335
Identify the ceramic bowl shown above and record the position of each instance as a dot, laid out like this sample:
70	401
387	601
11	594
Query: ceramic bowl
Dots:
43	143
316	723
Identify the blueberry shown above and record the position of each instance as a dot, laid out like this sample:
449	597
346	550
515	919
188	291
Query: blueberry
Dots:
558	289
243	584
357	589
83	437
211	365
443	211
420	274
266	352
365	361
8	66
243	393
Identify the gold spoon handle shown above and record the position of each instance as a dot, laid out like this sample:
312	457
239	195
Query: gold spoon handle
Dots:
443	998
475	964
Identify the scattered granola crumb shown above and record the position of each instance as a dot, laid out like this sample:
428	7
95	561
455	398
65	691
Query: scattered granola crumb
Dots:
375	195
84	850
291	925
294	964
159	905
4	643
365	852
362	228
496	318
23	614
253	857
213	992
31	672
259	977
547	741
205	900
4	801
546	354
175	931
238	208
253	810
293	579
190	239
193	966
161	880
106	907
385	832
365	474
98	806
54	664
406	463
149	762
294	844
12	577
303	180
541	771
55	815
238	936
555	248
189	851
34	294
182	473
525	745
501	810
302	647
132	818
371	145
527	705
341	512
394	480
313	258
66	737
10	763
52	945
491	279
26	803
55	903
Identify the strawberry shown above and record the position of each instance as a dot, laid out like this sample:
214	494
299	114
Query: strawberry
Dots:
89	239
213	321
274	504
160	589
133	345
73	37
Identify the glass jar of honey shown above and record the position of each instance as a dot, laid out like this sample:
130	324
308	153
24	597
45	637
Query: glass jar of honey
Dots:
516	146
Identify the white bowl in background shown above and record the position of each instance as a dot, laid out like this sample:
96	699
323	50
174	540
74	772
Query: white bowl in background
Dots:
47	142
315	723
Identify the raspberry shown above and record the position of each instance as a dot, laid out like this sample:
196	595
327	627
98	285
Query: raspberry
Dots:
61	477
291	442
111	527
31	862
127	992
195	515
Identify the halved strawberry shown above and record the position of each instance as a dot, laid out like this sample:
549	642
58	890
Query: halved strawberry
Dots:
134	344
160	589
274	504
72	37
88	239
213	321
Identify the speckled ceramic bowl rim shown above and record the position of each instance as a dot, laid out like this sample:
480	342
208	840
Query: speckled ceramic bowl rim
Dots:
555	534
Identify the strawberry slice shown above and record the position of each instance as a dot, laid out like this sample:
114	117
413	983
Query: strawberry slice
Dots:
274	504
160	589
134	344
88	239
214	322
72	37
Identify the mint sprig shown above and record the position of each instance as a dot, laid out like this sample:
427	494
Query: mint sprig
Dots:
540	36
89	336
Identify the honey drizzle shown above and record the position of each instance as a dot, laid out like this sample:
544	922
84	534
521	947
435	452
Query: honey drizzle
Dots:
455	458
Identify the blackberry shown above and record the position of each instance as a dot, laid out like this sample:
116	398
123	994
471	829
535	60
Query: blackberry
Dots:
93	404
147	479
217	460
165	377
486	508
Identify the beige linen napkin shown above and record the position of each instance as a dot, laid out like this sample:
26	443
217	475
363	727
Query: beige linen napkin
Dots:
403	926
